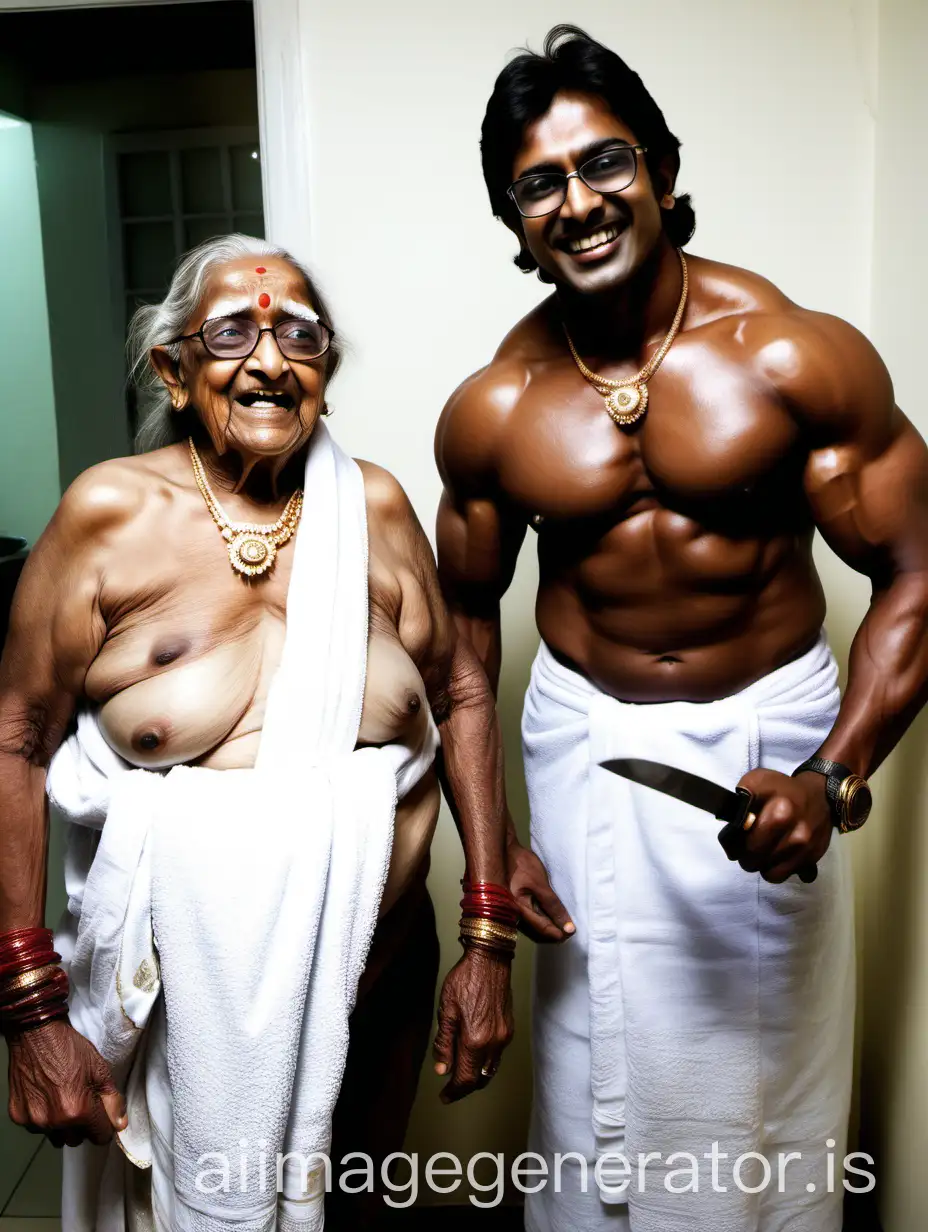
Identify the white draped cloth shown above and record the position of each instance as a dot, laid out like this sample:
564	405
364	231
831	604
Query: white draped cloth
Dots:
697	1003
219	921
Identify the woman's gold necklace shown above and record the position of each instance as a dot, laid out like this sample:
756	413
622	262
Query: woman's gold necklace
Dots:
252	548
627	401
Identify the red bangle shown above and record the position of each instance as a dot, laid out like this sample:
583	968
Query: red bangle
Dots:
24	1004
484	900
16	938
39	1020
29	962
25	948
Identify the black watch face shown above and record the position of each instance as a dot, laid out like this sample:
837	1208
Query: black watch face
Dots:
859	804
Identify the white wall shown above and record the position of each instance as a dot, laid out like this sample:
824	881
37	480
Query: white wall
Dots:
774	104
893	865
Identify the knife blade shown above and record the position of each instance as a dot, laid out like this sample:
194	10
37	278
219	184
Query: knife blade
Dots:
732	807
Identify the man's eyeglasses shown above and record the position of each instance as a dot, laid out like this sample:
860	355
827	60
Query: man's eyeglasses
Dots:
237	337
545	192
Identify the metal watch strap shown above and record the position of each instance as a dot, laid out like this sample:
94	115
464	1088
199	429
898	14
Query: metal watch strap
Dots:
834	774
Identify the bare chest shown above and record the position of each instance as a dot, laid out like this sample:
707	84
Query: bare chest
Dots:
710	438
192	646
172	599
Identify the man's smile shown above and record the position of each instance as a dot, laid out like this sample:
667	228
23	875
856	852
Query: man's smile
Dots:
594	244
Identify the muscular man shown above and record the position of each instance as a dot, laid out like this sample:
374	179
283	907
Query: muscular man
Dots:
139	613
676	430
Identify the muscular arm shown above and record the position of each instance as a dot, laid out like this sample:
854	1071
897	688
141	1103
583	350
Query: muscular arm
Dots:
479	534
866	480
867	484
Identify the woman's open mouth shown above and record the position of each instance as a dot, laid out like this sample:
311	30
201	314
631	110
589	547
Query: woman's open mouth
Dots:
266	400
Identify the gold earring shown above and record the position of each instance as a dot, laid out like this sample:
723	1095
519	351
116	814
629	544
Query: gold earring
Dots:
668	201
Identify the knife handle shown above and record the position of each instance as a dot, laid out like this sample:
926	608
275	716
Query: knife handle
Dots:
731	836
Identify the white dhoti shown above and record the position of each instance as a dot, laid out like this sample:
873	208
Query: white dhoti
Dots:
697	1004
219	921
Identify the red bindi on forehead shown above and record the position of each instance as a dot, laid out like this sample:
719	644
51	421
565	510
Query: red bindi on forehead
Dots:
260	270
264	300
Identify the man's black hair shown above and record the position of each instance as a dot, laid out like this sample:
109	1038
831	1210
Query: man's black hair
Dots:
524	91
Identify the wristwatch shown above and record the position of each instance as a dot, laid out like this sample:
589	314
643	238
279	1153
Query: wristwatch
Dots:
848	794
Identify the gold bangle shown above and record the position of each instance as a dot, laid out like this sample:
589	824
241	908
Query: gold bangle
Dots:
27	979
490	938
490	927
487	932
494	938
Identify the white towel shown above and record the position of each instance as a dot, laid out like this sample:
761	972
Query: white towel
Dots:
251	896
697	1003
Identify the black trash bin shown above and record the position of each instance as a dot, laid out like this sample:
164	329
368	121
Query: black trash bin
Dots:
13	553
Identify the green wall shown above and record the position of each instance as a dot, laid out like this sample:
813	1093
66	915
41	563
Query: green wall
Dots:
29	489
87	336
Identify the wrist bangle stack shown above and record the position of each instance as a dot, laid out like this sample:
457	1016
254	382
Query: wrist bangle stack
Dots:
488	918
33	988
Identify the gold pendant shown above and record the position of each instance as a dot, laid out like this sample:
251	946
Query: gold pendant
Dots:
251	554
627	404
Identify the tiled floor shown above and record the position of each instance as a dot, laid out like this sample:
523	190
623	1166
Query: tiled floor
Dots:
37	1194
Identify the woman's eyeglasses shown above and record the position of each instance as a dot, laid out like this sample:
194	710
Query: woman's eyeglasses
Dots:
237	337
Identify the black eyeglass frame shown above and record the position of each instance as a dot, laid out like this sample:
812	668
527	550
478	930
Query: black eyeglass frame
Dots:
267	329
578	174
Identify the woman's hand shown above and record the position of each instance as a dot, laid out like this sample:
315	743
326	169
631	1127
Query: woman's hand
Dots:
61	1086
544	916
475	1022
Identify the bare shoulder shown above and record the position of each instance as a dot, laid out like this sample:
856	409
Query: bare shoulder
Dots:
729	296
399	545
111	495
391	518
384	495
475	417
56	627
820	366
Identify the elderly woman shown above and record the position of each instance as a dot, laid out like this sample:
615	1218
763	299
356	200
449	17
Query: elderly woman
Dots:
253	621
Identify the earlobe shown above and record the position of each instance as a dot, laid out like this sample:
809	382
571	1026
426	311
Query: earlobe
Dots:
166	367
668	201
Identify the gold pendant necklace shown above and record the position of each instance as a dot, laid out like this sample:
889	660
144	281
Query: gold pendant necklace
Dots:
627	401
252	548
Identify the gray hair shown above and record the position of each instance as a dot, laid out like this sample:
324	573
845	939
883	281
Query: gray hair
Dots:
154	324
